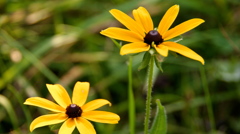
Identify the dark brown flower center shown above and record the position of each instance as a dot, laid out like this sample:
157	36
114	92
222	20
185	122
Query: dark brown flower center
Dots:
73	111
153	36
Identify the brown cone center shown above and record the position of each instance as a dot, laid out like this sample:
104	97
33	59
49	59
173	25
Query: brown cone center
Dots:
153	36
73	111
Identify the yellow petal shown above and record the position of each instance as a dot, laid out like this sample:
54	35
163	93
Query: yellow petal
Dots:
49	119
168	19
128	21
94	104
182	28
161	49
135	47
101	116
59	94
122	34
183	50
80	93
84	126
142	16
44	103
67	127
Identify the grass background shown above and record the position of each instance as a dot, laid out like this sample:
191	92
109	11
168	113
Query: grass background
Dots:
58	41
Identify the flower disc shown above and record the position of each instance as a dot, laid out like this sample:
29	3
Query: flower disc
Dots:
153	36
73	111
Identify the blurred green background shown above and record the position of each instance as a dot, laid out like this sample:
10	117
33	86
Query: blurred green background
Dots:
58	41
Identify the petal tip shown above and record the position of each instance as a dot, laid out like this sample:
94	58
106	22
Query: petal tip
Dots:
200	20
176	6
142	8
79	82
112	11
122	52
110	104
49	85
83	84
31	128
25	103
103	32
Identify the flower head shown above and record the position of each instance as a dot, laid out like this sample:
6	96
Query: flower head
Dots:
142	35
73	112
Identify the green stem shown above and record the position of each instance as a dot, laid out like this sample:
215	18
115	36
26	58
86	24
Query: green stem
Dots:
131	108
208	99
149	97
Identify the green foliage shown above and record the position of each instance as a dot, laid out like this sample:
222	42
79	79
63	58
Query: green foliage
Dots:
145	61
158	62
5	102
59	42
159	125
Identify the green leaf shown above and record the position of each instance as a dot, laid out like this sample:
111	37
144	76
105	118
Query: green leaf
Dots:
145	61
159	125
158	64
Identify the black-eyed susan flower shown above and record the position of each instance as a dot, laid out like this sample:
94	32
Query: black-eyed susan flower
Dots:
142	35
73	112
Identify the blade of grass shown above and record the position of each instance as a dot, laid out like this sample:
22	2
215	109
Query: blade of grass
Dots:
131	100
20	100
30	57
5	102
208	99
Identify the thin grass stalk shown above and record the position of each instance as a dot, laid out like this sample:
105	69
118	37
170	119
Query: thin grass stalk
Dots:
20	101
208	99
131	109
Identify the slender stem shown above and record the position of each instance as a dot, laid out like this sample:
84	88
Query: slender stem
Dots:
131	109
208	99
149	97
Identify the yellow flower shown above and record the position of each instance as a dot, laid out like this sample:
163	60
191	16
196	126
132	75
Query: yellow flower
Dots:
74	113
142	35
